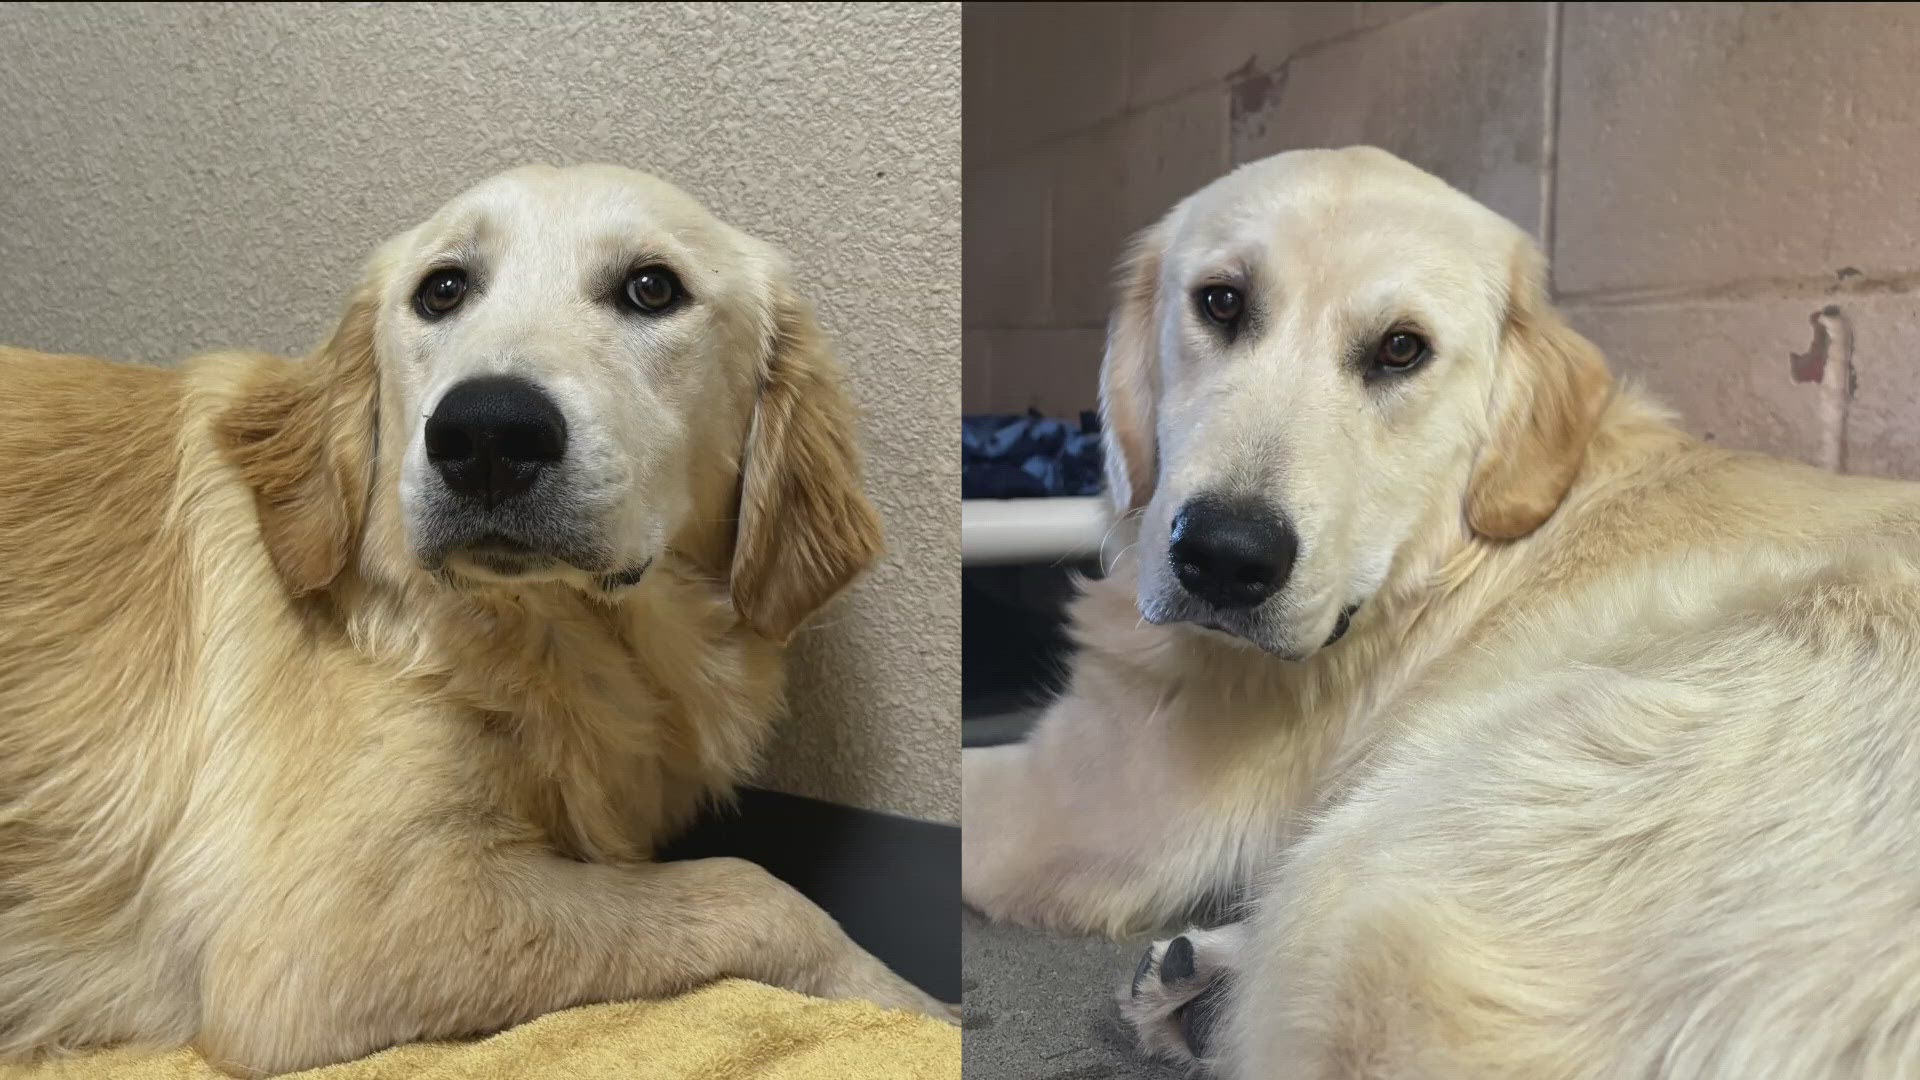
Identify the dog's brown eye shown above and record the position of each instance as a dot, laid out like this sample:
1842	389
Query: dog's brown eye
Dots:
1400	351
652	289
1221	303
441	292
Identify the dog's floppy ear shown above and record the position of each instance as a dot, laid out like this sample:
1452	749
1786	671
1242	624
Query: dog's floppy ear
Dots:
1130	377
301	436
1550	389
805	528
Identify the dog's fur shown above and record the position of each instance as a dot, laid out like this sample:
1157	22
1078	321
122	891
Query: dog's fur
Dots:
270	786
1617	771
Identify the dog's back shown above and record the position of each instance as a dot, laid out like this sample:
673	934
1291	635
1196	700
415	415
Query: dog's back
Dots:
1663	831
92	651
1650	819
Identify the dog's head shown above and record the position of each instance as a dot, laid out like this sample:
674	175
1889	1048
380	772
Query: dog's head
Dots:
1312	358
559	377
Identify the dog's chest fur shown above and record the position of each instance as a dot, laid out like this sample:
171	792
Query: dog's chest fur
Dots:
604	725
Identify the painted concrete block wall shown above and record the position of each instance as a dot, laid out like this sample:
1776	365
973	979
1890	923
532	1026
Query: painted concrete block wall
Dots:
175	178
1726	190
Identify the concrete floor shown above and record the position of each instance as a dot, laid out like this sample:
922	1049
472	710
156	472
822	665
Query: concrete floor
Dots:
1040	1006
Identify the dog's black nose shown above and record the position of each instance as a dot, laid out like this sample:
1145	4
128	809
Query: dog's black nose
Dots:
1231	555
490	437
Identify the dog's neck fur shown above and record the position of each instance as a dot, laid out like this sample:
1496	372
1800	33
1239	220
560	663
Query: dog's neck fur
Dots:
616	716
1448	588
1451	588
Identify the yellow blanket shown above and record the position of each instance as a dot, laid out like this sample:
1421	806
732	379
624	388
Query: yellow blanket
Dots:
730	1029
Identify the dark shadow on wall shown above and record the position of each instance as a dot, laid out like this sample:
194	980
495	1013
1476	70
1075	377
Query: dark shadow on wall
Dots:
892	882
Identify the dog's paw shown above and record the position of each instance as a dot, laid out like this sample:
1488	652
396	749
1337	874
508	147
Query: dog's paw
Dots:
859	975
1174	999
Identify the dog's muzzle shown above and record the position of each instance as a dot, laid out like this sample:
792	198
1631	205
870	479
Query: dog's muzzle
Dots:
504	504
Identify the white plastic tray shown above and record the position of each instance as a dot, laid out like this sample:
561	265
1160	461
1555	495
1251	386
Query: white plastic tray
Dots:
1002	531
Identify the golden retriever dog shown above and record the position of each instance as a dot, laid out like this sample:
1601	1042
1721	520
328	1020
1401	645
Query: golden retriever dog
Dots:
343	701
1547	740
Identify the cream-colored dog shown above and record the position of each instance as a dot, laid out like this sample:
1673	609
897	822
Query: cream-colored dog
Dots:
343	702
1549	741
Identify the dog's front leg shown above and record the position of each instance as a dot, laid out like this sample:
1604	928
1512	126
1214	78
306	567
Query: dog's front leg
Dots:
346	965
1113	817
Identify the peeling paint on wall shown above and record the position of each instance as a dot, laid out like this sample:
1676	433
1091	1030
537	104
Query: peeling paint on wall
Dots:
1811	366
1254	90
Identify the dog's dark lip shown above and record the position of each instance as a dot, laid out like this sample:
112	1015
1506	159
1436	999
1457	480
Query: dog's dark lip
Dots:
1245	640
1213	625
1225	631
508	565
1344	623
624	578
505	556
501	544
1156	615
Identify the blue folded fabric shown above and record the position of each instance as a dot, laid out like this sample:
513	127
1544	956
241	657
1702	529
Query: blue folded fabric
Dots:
1029	456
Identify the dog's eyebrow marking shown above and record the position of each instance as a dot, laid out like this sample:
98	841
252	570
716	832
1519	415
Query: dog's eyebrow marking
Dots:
463	253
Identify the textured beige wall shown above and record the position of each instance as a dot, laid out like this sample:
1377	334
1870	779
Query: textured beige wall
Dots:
176	178
1710	179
